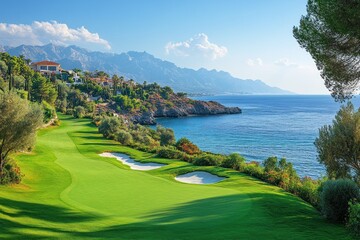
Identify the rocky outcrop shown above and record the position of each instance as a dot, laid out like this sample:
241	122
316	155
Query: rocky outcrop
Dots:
182	109
146	118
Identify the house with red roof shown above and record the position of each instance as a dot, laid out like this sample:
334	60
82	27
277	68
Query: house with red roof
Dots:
46	67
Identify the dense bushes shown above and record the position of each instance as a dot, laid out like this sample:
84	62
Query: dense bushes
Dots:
10	174
234	161
172	153
167	136
335	196
254	169
109	126
48	111
79	112
307	189
280	173
185	145
354	218
208	160
124	137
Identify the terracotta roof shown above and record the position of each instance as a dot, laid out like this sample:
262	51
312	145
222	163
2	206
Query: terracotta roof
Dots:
48	63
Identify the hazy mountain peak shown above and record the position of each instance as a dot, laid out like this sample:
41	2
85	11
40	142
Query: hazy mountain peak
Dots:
142	66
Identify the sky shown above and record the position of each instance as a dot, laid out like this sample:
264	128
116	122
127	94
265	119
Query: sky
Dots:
249	39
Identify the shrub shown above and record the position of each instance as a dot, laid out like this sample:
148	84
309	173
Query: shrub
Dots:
354	218
208	160
109	126
270	164
172	153
124	137
185	145
97	120
48	111
254	169
144	148
10	174
234	161
60	105
79	112
335	196
69	111
308	190
167	136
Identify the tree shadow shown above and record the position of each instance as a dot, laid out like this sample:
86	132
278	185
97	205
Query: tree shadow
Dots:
42	211
100	144
245	216
15	210
87	131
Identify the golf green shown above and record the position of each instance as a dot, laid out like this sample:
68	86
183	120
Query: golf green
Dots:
69	191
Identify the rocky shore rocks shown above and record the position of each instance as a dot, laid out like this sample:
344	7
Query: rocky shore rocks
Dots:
183	109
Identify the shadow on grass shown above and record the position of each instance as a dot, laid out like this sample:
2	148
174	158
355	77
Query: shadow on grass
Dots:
51	215
42	211
100	144
247	216
87	137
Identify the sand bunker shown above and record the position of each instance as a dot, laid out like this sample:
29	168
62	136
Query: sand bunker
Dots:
132	163
199	177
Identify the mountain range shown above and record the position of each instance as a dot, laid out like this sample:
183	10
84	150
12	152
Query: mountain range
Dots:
142	66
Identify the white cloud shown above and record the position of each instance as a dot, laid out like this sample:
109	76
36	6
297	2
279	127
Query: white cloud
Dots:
198	45
40	33
286	63
254	62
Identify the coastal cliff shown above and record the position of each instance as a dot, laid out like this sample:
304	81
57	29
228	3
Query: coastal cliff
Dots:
180	107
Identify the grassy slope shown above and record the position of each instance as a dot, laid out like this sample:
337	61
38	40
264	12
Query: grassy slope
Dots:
70	192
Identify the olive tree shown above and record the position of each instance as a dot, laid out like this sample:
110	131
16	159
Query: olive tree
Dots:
167	136
19	121
338	145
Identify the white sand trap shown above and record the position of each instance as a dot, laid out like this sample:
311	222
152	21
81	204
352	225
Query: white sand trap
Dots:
199	177
132	163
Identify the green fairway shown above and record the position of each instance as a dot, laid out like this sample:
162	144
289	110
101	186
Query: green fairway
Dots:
69	191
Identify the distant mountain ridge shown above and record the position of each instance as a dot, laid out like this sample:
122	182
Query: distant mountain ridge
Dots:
142	66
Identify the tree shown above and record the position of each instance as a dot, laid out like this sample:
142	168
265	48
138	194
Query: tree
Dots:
338	145
167	136
75	98
43	90
109	126
234	161
124	137
19	121
76	70
330	32
3	69
79	112
116	82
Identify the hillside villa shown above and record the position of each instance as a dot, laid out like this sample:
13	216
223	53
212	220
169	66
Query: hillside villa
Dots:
46	67
103	81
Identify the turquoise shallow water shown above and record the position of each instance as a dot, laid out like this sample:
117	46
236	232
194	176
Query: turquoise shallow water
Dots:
283	126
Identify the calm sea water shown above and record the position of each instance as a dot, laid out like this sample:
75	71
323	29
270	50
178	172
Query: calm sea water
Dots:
282	126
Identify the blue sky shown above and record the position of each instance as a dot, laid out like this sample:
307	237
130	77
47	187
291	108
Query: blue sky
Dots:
250	39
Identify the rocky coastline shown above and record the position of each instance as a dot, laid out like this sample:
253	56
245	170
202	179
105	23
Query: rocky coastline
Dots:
182	109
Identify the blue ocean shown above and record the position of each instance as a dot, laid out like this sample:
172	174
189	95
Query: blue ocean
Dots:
282	126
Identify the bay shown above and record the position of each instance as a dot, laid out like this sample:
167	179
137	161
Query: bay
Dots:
277	125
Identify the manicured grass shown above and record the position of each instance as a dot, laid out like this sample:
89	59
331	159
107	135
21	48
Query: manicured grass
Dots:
70	192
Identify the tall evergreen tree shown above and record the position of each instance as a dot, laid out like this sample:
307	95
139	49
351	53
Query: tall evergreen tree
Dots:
330	32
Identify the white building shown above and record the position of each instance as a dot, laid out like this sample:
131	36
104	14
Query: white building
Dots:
46	67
